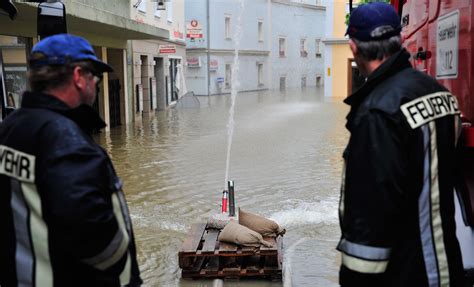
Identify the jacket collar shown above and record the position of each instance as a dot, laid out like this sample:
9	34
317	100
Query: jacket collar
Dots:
391	66
84	116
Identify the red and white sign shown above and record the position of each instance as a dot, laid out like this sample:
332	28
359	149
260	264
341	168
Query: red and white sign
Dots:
167	49
193	62
194	29
178	34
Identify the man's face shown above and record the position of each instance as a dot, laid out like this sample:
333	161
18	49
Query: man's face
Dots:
361	63
88	95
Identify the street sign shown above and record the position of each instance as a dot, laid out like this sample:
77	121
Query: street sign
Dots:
447	43
214	65
167	49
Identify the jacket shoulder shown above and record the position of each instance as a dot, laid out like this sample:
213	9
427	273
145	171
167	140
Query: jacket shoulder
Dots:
403	87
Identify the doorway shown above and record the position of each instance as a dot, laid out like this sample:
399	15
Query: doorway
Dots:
173	89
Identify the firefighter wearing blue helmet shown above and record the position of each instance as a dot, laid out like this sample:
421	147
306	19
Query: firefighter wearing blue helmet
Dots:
63	216
397	196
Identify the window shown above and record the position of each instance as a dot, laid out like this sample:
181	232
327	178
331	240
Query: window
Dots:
303	48
228	76
282	83
169	8
260	31
142	6
318	81
282	47
157	12
318	48
303	82
227	30
260	74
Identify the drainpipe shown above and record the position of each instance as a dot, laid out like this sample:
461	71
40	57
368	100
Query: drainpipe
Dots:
208	28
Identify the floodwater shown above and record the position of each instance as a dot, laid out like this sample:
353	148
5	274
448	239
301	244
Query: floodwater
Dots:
286	163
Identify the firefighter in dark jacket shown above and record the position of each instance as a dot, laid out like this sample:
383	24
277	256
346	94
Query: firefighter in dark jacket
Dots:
63	216
397	196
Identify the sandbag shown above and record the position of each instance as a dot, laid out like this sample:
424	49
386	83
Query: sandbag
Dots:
220	220
262	225
241	235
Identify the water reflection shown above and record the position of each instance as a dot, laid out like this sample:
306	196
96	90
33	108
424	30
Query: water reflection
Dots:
286	163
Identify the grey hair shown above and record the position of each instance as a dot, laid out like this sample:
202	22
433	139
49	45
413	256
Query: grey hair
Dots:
379	49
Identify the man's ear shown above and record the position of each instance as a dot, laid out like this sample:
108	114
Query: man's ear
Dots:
78	78
353	47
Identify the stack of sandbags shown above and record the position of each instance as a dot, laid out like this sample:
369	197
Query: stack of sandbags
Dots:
250	230
220	220
241	235
262	225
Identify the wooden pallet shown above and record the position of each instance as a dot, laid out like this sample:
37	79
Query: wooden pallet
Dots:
203	256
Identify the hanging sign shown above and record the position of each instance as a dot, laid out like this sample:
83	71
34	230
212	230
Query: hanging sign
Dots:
194	29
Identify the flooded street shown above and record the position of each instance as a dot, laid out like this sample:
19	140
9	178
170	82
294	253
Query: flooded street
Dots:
285	161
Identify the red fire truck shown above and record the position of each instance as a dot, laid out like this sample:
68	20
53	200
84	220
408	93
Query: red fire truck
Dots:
439	34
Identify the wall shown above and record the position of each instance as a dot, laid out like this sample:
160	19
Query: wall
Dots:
251	50
307	22
159	18
340	70
119	8
337	50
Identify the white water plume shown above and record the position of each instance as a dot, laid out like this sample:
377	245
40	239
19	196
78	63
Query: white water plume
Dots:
235	84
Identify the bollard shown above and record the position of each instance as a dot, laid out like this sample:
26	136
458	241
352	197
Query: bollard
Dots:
224	201
230	186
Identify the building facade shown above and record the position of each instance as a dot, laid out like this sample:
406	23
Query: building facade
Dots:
297	49
338	62
224	23
107	24
262	24
158	74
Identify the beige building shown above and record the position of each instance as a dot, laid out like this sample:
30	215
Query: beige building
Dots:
107	24
158	78
338	61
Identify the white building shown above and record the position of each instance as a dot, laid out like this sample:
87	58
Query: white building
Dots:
158	75
254	48
263	24
297	51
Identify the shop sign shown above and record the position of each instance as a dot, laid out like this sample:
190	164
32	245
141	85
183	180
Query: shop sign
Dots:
178	34
167	49
194	29
193	62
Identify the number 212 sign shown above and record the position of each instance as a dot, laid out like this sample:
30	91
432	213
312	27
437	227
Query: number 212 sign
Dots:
447	45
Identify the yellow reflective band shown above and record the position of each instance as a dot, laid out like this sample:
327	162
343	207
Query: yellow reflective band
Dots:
122	248
436	212
127	272
343	187
364	266
39	236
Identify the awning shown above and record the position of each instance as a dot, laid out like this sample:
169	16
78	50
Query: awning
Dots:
82	19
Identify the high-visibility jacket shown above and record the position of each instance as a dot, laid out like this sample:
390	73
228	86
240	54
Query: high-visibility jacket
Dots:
397	199
63	216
